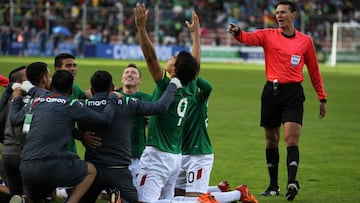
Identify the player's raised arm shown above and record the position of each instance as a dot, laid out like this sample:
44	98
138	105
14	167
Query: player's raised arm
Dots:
194	28
146	45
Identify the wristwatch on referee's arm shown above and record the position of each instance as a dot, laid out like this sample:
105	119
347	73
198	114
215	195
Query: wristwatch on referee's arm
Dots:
323	100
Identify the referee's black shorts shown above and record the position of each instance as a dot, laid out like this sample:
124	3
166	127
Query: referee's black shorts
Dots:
284	105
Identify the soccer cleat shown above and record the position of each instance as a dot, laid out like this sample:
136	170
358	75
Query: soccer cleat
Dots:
103	195
115	196
16	199
61	193
246	197
292	190
224	186
207	198
271	191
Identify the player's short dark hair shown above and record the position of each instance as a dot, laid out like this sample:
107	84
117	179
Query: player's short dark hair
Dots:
101	81
36	71
62	81
133	65
186	67
15	76
60	57
291	5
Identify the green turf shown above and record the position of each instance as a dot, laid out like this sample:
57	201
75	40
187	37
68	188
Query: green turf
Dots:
329	157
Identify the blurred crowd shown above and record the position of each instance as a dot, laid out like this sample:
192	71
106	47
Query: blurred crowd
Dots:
112	21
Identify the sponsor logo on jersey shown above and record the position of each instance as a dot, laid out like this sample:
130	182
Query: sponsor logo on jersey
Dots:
50	100
97	102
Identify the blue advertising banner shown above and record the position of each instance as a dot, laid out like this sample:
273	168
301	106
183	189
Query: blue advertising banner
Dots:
111	51
34	49
134	52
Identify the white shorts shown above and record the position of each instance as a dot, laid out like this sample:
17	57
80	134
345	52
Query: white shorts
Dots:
195	173
133	167
157	174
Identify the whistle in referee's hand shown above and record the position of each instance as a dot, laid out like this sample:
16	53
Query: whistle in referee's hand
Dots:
275	87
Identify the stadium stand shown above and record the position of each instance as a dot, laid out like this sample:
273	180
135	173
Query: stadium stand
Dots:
315	18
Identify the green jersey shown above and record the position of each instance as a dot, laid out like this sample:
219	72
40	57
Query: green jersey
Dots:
138	131
164	131
77	93
195	131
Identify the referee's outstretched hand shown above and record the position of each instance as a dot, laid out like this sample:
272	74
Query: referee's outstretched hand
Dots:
233	29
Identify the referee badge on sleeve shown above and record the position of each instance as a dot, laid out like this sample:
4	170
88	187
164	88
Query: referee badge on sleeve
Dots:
295	60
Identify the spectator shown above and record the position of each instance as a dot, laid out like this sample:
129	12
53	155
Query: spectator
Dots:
42	39
79	40
106	36
24	37
5	41
56	41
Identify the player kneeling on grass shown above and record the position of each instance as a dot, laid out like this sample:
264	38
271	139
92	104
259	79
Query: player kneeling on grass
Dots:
45	162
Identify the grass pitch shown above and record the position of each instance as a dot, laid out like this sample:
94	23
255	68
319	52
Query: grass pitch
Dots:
329	157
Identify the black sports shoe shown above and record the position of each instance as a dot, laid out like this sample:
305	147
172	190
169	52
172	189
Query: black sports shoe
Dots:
292	190
271	191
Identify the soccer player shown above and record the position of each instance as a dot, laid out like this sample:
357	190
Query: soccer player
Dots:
38	83
66	61
12	141
45	162
286	52
39	77
8	82
113	157
161	159
197	152
131	80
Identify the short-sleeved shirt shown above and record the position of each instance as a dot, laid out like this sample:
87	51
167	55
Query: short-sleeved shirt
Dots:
164	131
286	56
195	131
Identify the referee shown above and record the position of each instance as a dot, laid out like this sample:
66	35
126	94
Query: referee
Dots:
286	52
